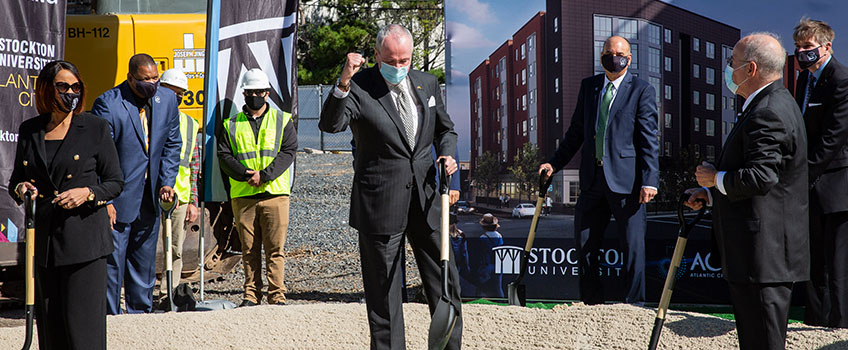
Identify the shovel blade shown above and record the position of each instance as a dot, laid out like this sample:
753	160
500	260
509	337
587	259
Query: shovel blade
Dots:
517	294
441	325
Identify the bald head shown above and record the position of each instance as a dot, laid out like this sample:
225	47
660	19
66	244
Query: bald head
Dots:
616	45
765	51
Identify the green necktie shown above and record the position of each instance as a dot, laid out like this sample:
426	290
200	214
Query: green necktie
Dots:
603	118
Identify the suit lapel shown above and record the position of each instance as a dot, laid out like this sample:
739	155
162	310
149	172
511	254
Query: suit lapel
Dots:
746	113
133	113
424	100
389	105
594	106
38	142
620	95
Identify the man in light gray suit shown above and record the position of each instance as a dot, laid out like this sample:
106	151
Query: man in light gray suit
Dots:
397	116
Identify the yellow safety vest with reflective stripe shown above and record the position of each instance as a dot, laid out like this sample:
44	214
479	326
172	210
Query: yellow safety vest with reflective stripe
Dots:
257	154
188	132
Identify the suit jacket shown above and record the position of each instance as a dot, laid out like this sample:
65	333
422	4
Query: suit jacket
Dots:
631	159
163	157
86	158
761	225
826	120
386	168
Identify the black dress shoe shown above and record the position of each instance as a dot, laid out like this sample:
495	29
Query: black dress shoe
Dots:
246	302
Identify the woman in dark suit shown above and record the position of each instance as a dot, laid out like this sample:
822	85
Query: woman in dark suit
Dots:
68	159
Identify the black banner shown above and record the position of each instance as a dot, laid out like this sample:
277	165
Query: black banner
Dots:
32	34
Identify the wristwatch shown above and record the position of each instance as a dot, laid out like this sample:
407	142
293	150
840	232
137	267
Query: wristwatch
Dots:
90	195
343	87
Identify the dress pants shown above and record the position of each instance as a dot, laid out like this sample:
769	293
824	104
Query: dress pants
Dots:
178	235
762	314
263	223
70	306
133	263
381	274
827	290
591	217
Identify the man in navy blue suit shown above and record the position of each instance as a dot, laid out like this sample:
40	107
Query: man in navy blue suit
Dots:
145	126
616	114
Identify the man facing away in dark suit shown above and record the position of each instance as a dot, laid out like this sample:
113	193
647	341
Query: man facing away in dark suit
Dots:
616	114
396	115
145	126
822	94
759	195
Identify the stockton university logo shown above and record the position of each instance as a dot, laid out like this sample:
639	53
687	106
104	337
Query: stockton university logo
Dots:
507	260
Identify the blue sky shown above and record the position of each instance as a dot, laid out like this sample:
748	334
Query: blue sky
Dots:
477	27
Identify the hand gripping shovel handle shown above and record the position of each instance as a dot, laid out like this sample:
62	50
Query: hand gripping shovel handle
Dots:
515	290
168	211
29	209
674	268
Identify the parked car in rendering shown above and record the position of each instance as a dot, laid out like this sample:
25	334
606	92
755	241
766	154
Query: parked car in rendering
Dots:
462	207
523	210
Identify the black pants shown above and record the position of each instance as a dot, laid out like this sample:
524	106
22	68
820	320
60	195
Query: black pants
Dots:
827	290
591	218
381	275
762	314
70	306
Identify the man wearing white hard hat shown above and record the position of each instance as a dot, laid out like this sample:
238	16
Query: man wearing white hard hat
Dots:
256	152
186	182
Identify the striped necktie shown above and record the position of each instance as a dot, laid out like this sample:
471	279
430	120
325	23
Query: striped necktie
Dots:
810	86
142	114
408	113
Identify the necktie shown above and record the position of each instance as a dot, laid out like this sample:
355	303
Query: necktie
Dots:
142	114
603	118
810	85
407	112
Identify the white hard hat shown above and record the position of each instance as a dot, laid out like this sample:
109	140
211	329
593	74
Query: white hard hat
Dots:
174	77
255	79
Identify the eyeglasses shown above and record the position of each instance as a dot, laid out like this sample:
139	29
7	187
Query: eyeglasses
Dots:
63	87
254	92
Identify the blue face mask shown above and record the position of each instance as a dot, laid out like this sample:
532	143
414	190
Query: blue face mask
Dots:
728	78
392	74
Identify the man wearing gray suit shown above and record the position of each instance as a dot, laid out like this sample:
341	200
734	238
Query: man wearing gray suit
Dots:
397	116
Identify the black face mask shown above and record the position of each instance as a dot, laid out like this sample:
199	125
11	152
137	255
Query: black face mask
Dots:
254	103
807	58
145	89
69	101
613	64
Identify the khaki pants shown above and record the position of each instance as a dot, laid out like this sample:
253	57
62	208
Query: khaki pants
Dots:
262	222
178	235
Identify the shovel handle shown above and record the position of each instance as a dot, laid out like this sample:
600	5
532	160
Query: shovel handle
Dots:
444	184
544	182
169	207
686	227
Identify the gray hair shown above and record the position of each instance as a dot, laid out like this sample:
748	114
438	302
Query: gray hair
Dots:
391	30
765	49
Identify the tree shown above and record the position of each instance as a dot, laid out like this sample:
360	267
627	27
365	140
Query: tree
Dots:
525	168
487	173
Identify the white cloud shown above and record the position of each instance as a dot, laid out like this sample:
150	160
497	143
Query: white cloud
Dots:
462	36
474	9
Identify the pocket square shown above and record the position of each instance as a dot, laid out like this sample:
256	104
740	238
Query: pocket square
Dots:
431	102
813	104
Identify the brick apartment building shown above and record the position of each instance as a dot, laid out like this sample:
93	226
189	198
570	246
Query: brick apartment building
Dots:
527	89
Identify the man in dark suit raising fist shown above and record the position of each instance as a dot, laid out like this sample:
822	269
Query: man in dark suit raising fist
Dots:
822	94
616	115
397	116
759	195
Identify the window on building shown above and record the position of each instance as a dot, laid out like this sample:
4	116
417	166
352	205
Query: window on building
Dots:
696	123
498	92
696	44
556	85
556	24
667	64
524	76
516	54
628	28
732	102
634	61
603	26
667	35
696	97
523	132
556	54
668	92
531	69
533	96
709	75
516	79
599	47
523	51
499	136
724	128
710	49
517	129
711	153
667	149
710	102
573	191
654	34
517	104
710	127
697	151
655	82
556	143
556	115
667	120
523	102
724	102
696	71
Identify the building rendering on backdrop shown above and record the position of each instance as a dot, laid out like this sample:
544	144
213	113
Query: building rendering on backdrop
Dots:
526	90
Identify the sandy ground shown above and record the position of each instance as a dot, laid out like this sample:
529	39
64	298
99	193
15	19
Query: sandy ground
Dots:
343	326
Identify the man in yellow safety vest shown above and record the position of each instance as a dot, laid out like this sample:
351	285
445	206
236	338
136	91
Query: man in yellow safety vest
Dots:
186	182
257	151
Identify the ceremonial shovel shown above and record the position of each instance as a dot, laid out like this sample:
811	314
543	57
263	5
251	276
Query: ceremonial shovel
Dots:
517	292
444	318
